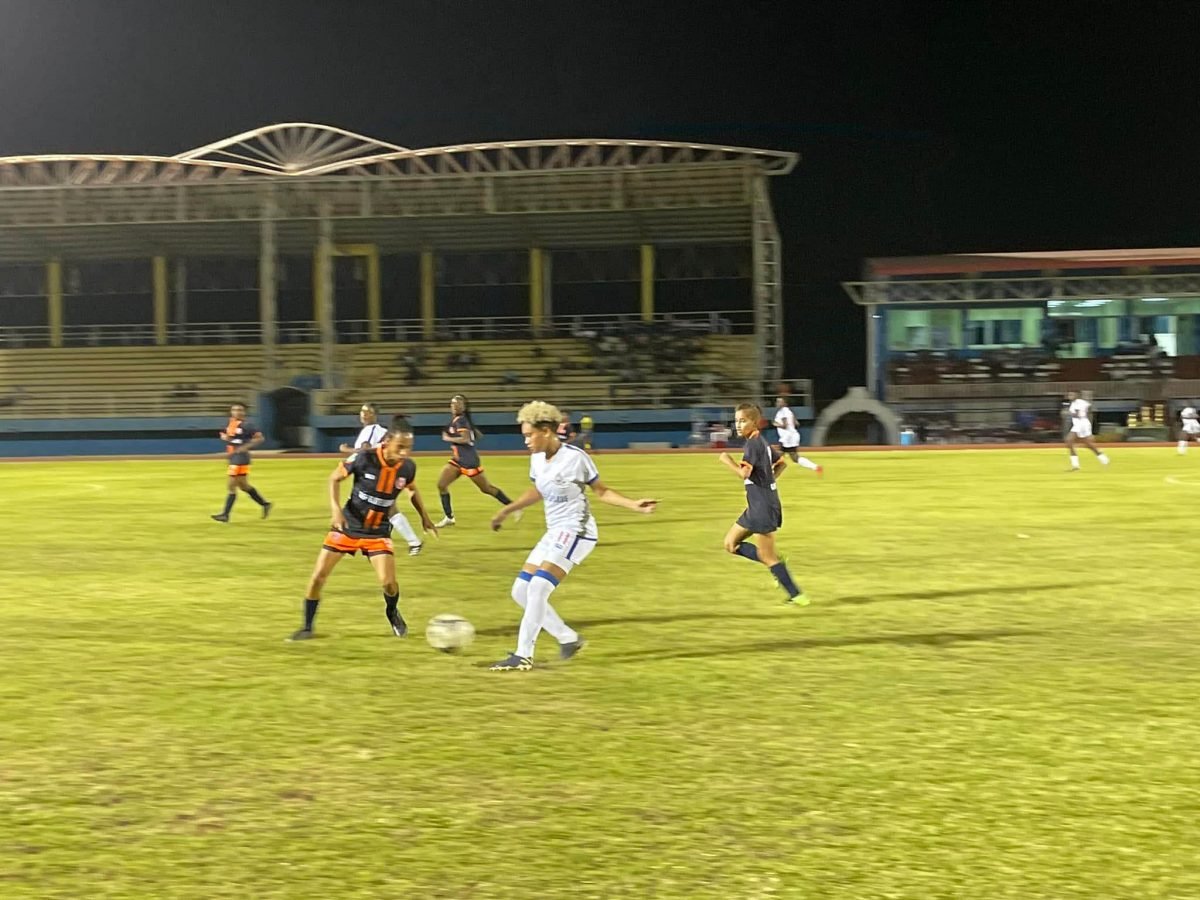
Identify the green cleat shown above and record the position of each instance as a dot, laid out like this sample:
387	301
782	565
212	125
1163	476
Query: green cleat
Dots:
799	600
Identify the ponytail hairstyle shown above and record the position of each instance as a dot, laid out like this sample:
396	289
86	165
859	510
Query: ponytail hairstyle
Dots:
476	432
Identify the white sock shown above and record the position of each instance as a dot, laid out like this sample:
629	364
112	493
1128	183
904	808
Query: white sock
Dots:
1074	461
539	614
1103	459
805	463
1183	446
406	531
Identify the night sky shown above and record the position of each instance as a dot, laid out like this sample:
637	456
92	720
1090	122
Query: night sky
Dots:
924	127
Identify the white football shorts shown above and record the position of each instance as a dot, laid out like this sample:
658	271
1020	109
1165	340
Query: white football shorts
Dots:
565	549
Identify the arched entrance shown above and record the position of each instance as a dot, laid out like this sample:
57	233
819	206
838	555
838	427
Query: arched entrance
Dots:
857	400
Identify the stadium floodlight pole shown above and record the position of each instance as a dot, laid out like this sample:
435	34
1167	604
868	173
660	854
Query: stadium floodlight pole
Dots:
324	300
267	290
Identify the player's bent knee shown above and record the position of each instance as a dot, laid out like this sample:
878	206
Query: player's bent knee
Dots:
391	587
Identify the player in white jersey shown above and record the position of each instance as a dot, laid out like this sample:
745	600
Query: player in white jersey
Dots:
1081	429
1191	427
372	434
561	474
788	432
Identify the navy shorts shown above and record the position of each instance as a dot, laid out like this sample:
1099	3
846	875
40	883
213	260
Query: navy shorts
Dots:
762	520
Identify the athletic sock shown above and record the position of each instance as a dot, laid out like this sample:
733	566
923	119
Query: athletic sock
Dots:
256	497
406	531
391	603
446	507
229	500
310	612
805	463
747	550
502	497
784	577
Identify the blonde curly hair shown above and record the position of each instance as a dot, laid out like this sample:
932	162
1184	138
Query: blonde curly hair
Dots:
539	414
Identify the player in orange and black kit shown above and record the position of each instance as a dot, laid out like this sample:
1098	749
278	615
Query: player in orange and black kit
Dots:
380	475
240	437
460	434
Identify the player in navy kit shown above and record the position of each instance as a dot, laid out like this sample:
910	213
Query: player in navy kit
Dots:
460	434
764	513
240	437
380	475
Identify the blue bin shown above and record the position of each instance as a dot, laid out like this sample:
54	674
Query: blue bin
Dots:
908	437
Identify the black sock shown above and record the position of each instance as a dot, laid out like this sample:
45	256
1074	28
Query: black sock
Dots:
446	507
784	577
391	603
310	612
502	497
256	496
229	498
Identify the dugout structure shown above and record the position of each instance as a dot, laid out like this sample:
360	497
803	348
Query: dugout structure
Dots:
318	192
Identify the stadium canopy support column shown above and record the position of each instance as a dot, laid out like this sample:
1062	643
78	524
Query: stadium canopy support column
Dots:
537	294
427	285
374	293
180	295
323	296
647	282
768	284
54	301
159	272
268	285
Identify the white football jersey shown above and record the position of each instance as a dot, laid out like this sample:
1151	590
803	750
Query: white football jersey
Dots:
562	481
1188	413
785	426
371	435
1079	412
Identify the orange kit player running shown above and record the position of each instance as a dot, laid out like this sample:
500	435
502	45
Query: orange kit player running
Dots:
460	434
240	437
380	475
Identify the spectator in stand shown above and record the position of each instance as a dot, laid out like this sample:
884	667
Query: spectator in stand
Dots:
586	427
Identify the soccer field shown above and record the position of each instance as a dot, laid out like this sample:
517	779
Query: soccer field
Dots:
993	693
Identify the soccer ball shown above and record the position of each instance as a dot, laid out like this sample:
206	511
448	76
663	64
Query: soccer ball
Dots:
449	633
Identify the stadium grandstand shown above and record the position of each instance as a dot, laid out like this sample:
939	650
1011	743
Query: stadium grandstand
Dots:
299	258
984	346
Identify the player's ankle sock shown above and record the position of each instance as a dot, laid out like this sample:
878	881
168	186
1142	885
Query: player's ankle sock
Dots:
310	612
256	497
502	497
784	577
229	498
406	531
1183	446
747	550
805	463
391	603
1074	462
446	507
1103	459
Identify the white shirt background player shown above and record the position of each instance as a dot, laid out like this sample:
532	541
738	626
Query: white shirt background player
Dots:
1191	427
788	431
1081	429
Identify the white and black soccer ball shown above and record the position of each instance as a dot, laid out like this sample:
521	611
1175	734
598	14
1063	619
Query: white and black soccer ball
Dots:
449	633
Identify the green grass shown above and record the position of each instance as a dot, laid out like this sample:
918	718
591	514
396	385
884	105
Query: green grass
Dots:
993	693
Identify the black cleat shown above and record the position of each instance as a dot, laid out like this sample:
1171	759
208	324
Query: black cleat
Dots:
399	626
566	651
220	517
267	509
415	549
304	634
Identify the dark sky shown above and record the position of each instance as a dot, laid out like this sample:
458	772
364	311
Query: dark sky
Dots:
925	127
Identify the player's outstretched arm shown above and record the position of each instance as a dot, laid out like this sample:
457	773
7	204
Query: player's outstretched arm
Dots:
345	448
528	498
419	505
607	495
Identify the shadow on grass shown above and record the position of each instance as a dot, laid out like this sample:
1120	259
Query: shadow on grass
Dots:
934	639
587	624
949	593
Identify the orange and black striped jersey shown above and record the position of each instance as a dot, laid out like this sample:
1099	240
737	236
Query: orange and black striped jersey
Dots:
376	487
238	434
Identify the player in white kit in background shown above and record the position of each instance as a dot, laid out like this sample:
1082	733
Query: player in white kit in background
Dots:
372	434
1191	427
561	474
788	431
1081	429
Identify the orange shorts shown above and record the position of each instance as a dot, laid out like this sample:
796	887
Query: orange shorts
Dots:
239	470
343	543
463	470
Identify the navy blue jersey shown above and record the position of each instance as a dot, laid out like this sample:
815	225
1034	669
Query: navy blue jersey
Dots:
761	490
376	487
465	456
238	434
